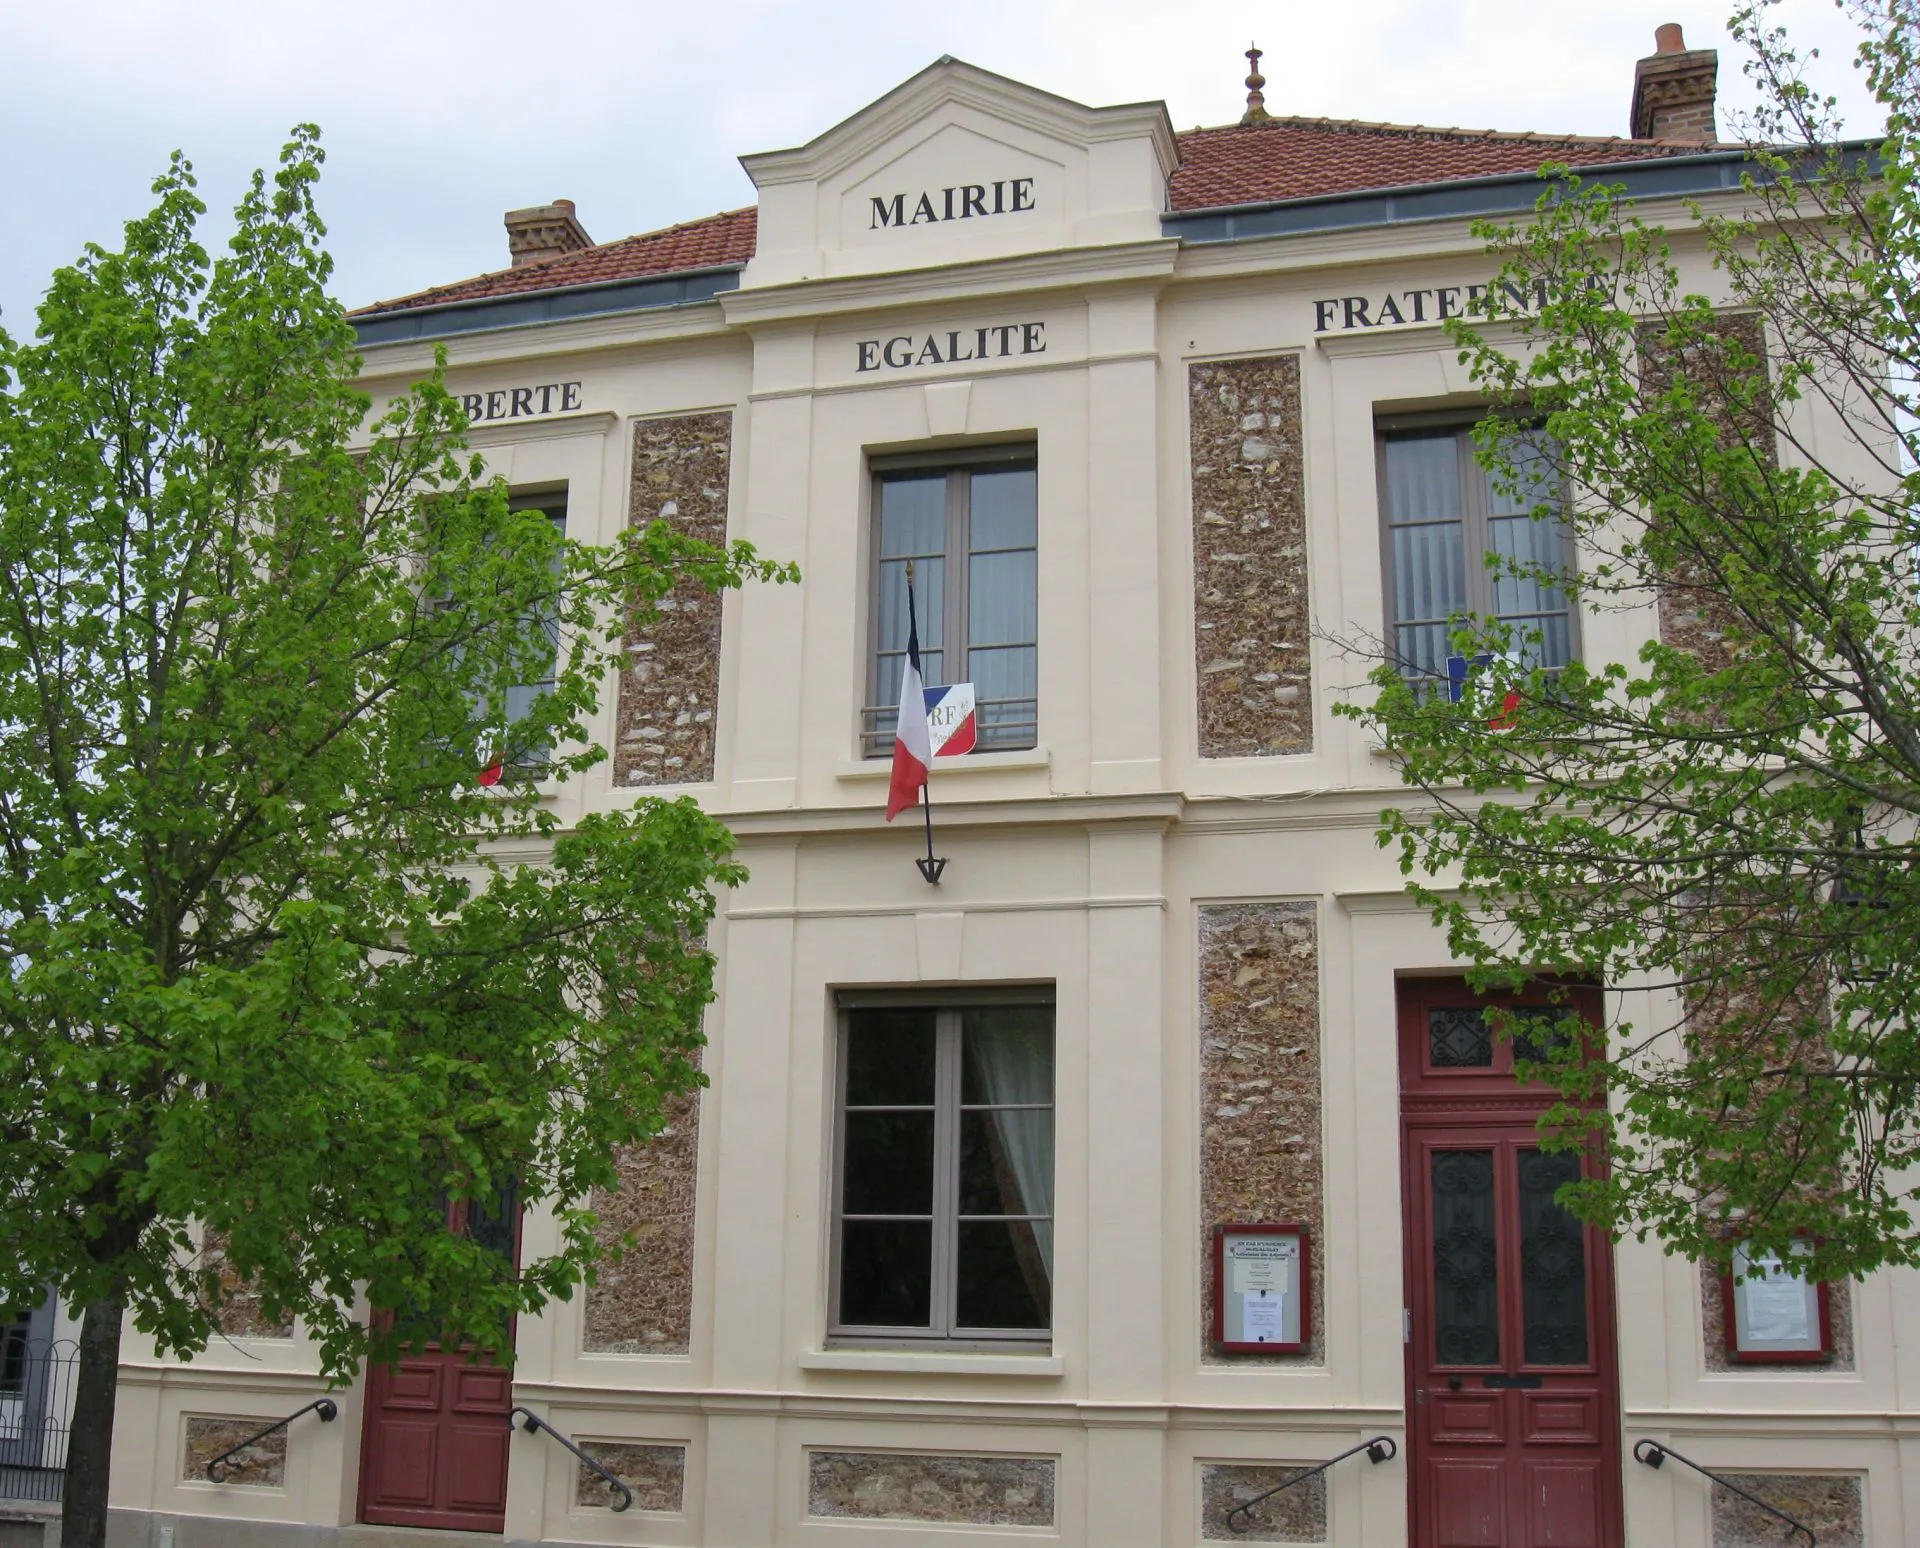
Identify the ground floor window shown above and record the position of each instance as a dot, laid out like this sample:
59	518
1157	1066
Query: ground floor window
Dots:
944	1187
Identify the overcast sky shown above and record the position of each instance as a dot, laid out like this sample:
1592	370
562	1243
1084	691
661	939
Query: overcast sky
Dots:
440	116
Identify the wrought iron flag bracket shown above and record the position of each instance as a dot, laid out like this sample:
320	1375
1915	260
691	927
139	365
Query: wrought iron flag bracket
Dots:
931	866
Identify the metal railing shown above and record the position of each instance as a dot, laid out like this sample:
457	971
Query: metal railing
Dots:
535	1424
326	1408
1380	1449
1652	1453
36	1415
1000	725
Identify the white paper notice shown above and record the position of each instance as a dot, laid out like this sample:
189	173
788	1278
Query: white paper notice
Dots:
1777	1306
1261	1318
1254	1274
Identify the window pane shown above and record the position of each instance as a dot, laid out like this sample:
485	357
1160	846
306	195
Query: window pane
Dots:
1466	1312
1004	508
1553	1262
886	1273
1423	477
1002	598
1006	1161
1524	541
492	1222
913	515
1459	1038
1005	1275
929	603
1535	479
890	1058
888	1164
1005	672
1423	649
1429	572
1006	1054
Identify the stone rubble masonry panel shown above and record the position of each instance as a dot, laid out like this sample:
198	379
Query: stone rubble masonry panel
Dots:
239	1314
656	1474
1250	611
671	679
1296	1515
1713	1329
1830	1504
263	1465
1694	619
1260	1130
899	1486
643	1303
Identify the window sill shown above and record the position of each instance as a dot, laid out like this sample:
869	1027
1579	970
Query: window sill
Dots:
929	1362
879	769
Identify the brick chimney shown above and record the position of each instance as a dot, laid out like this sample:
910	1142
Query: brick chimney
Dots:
544	231
1673	90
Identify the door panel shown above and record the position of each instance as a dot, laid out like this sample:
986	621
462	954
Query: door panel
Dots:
434	1452
1471	1504
1513	1408
1563	1505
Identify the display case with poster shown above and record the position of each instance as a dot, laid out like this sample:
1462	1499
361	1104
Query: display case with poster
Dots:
1260	1289
1773	1314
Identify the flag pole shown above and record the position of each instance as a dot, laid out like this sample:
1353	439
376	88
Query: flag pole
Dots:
930	867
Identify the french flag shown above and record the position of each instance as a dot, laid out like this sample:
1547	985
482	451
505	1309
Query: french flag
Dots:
912	743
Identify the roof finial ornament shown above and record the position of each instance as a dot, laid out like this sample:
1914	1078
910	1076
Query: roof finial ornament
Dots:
1256	112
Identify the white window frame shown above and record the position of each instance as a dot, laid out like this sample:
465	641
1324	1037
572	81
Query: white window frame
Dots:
882	674
941	1331
1475	513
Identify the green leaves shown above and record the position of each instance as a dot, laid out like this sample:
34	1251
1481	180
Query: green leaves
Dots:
268	970
1714	815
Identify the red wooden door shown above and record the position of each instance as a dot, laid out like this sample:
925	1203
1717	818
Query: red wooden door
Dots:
434	1446
1512	1381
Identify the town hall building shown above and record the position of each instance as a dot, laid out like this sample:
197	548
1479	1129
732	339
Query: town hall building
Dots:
1158	1152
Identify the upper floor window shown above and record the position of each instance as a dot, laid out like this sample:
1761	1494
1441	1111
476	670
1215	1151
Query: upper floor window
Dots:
970	526
523	760
1443	514
944	1225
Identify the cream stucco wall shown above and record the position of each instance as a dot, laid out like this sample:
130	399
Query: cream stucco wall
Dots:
1082	864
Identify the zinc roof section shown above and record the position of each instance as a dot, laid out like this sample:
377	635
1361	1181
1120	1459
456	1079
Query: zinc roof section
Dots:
1251	164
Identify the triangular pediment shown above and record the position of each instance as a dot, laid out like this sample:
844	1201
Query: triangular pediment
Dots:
956	165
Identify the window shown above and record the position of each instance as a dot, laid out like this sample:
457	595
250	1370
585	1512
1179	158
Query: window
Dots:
530	762
1442	514
944	1219
970	527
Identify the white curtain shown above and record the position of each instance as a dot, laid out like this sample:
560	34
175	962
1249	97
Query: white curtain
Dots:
1011	1053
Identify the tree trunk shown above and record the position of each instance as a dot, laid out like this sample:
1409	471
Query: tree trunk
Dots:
83	1500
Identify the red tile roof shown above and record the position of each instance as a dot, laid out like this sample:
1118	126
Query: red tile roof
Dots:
1283	158
1300	158
698	244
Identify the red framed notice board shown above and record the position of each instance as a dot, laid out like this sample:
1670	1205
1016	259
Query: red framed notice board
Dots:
1773	1315
1261	1284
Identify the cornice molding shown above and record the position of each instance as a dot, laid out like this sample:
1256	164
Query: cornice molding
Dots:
1063	268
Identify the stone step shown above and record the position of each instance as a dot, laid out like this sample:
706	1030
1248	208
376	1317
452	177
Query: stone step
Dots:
142	1529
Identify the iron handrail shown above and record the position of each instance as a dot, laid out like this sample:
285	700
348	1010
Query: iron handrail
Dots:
535	1424
1380	1449
326	1408
1652	1453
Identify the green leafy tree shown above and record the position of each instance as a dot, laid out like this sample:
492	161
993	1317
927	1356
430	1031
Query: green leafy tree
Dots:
1730	815
277	965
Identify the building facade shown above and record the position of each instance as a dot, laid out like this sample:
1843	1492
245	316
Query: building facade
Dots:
961	1242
